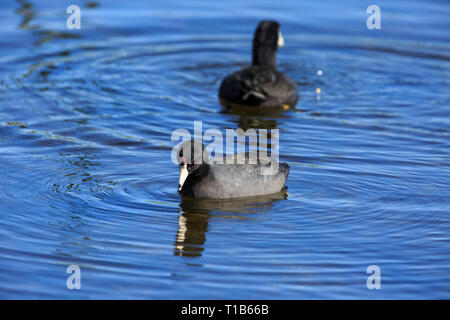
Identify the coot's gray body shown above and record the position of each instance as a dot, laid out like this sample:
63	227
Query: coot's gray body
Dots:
219	180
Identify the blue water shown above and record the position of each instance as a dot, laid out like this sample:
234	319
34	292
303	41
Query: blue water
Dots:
86	178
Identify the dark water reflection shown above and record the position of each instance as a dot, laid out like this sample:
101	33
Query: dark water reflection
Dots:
256	119
85	123
195	214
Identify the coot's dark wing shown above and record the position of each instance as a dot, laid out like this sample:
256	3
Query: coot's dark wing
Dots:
246	87
258	86
281	92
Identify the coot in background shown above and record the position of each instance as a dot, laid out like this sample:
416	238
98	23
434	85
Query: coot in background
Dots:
261	84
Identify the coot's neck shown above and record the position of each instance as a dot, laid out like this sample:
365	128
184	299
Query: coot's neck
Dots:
196	173
264	56
198	169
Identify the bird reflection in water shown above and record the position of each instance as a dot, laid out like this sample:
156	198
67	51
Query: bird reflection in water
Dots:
193	220
246	118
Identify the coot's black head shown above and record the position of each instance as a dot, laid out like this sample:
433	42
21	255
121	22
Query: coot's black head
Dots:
190	156
265	43
192	152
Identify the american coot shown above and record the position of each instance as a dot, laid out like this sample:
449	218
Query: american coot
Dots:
260	85
201	177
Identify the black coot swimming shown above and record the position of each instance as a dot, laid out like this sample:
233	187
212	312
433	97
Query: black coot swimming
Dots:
260	85
201	177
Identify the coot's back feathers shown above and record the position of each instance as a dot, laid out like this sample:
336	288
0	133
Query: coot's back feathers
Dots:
258	86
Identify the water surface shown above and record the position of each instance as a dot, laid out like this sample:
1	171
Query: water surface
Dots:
85	123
